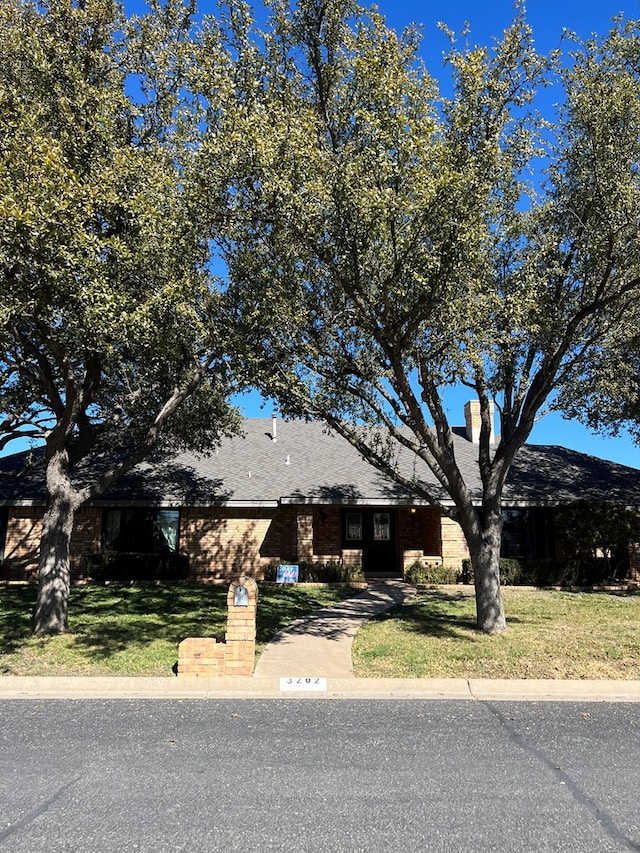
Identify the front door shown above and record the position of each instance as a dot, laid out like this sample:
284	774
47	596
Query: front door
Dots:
373	531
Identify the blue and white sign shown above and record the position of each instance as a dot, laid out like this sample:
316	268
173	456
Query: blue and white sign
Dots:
287	574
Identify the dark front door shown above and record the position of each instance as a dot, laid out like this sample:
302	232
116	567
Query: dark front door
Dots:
373	531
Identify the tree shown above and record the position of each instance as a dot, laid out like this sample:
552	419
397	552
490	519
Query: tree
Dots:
109	317
404	242
605	395
592	532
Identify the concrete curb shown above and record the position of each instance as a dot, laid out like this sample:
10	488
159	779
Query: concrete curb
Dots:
484	690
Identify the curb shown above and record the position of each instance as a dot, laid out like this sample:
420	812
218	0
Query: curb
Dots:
238	687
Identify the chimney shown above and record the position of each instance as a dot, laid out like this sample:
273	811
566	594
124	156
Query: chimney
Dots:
274	421
473	422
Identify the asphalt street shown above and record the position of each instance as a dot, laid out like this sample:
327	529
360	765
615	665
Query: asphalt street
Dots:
304	775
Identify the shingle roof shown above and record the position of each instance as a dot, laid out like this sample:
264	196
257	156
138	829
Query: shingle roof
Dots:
308	464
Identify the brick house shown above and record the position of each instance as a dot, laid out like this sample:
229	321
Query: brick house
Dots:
290	491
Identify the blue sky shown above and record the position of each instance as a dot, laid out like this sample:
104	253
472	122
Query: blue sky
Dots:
489	18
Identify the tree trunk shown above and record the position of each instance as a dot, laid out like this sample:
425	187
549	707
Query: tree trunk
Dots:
485	559
50	616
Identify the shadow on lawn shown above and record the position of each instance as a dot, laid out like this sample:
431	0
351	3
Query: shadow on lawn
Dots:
17	604
105	620
142	614
435	613
439	613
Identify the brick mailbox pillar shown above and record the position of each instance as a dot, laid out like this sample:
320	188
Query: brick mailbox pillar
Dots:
206	657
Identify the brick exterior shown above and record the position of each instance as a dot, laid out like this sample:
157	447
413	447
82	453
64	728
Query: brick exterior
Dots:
222	543
22	543
454	546
419	535
87	534
327	534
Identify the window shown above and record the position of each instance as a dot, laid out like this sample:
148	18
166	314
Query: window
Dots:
354	526
144	530
381	527
527	533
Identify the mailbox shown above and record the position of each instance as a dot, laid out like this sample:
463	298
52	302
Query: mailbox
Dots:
241	597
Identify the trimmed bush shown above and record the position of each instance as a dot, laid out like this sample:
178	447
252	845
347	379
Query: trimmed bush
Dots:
330	572
418	573
125	567
569	572
510	572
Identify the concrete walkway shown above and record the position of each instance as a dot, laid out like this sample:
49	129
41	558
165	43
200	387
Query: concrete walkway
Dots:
320	644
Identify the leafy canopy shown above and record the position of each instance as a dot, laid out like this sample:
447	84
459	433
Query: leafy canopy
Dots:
108	305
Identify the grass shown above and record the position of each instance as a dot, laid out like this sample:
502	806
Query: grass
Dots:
550	634
135	630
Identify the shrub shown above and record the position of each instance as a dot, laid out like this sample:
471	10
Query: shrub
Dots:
573	571
318	572
418	573
510	571
125	567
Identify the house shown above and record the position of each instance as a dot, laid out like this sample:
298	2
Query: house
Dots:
291	491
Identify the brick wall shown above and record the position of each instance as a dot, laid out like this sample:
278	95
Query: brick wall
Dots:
205	657
419	534
222	543
454	546
327	534
22	543
87	535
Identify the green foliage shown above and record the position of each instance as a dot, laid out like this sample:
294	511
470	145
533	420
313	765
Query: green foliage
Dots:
123	567
511	572
583	570
111	326
597	535
108	311
418	573
321	572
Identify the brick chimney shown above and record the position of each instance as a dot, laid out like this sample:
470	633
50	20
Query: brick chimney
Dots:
473	422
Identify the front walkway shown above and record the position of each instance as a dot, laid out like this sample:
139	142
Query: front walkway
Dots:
319	645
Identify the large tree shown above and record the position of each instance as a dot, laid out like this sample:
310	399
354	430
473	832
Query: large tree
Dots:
404	242
109	317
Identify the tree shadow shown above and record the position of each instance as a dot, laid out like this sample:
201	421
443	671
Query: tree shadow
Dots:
433	613
16	606
113	618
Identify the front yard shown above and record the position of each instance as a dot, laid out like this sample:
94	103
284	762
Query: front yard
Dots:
135	630
550	634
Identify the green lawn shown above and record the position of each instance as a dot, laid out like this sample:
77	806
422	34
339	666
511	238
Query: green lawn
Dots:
135	630
550	635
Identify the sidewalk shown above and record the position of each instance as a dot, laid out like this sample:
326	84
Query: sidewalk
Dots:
311	658
320	644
